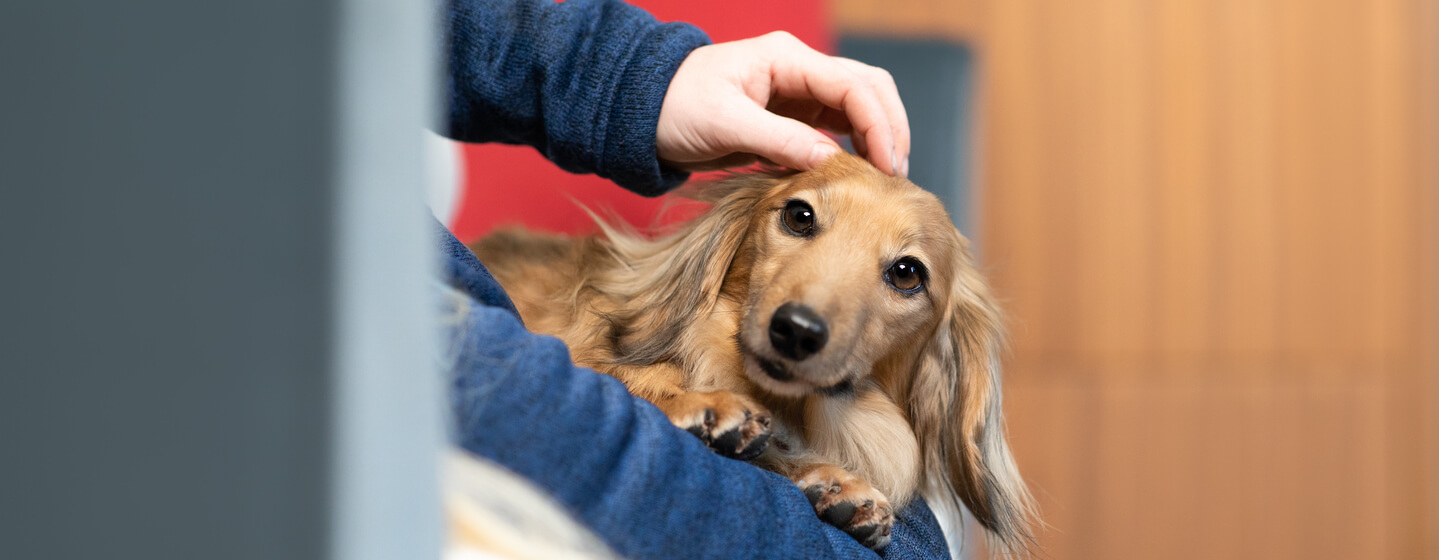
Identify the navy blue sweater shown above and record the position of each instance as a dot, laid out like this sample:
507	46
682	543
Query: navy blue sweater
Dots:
582	81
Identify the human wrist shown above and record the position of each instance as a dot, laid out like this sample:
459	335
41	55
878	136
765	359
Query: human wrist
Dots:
631	156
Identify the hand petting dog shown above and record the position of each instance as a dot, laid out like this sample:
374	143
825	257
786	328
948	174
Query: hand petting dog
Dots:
763	98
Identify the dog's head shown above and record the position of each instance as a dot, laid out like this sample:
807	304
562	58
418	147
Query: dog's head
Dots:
851	278
847	269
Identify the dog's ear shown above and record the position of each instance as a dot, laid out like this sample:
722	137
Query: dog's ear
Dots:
955	404
667	283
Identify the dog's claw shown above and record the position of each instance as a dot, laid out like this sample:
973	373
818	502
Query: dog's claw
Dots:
814	493
727	441
838	514
730	424
849	503
754	449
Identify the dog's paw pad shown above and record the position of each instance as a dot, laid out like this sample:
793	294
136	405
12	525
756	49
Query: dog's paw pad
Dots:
850	504
732	425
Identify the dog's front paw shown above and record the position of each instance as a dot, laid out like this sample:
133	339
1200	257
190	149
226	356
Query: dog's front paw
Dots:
849	503
731	424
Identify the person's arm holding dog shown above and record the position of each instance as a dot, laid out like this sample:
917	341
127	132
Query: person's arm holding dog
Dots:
601	87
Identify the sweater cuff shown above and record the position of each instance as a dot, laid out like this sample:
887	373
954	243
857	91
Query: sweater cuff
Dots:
629	157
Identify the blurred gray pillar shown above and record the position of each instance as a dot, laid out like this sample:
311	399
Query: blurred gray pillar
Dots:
213	330
936	79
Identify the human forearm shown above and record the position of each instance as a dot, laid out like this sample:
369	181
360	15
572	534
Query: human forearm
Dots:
583	81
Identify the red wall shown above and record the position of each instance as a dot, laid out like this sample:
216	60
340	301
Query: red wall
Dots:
515	185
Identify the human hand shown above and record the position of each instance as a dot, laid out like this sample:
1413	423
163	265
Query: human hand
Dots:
731	103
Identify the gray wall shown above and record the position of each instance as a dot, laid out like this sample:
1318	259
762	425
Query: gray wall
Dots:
210	309
936	79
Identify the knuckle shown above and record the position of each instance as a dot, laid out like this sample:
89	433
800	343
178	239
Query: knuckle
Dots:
863	85
787	144
883	77
781	37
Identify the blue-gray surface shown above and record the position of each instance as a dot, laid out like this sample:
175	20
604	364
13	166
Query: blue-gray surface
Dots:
935	78
166	193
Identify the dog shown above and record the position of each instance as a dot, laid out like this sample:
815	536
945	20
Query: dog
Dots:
828	325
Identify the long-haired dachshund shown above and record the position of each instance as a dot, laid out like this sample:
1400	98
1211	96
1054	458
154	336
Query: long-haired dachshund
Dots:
828	325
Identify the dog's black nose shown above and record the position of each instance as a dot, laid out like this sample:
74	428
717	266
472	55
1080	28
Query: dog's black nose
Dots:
797	332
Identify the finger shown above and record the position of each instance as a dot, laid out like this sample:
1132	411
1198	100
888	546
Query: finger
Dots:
812	113
737	159
833	121
846	92
861	146
806	111
798	71
785	141
888	93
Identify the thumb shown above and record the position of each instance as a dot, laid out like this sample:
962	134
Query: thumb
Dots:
782	140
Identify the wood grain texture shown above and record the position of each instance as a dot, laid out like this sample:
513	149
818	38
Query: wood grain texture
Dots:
927	18
1214	225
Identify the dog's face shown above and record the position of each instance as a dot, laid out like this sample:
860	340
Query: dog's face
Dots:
847	268
856	279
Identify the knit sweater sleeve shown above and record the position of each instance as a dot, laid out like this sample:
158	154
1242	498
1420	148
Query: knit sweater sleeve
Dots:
582	81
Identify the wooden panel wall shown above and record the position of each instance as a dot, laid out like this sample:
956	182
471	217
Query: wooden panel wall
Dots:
1214	224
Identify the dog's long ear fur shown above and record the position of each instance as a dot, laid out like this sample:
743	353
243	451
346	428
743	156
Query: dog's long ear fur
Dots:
955	404
670	281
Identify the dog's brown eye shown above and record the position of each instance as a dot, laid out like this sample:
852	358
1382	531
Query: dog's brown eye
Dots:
906	275
798	218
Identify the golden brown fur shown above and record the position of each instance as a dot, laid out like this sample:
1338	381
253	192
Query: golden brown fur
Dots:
904	397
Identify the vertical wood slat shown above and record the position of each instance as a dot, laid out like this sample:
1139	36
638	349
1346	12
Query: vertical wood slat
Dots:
1182	210
1244	107
1015	123
1423	21
1112	150
1214	224
928	18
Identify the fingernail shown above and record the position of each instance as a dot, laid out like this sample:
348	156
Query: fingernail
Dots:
822	151
894	162
904	167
